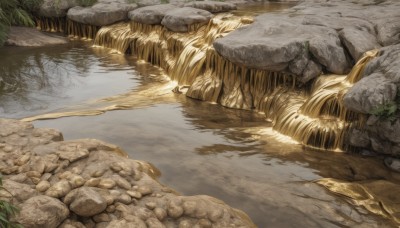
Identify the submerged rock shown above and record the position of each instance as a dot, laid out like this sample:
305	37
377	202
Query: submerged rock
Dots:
180	19
31	37
118	192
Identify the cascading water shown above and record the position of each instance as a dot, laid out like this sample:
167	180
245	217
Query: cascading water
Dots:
313	116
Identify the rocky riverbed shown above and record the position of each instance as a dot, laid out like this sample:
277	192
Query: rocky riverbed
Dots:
89	183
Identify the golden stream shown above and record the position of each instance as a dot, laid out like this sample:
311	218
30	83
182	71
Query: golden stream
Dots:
314	115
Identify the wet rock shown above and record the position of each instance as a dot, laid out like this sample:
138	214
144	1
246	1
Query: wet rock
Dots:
31	37
85	202
151	15
42	212
212	6
180	19
102	13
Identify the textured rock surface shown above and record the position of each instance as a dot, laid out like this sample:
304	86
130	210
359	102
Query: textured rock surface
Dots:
104	12
212	6
103	188
150	14
179	19
31	37
332	35
54	8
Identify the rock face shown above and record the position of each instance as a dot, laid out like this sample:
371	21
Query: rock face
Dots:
179	20
212	6
313	36
376	91
104	12
100	186
30	37
151	15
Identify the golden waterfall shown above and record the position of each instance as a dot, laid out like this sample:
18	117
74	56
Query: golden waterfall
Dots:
313	116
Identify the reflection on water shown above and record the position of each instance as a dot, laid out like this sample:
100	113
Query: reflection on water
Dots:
200	148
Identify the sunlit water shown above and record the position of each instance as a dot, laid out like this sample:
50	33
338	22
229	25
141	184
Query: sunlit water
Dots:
200	148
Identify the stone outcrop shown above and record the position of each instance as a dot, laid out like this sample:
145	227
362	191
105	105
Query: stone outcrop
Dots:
332	36
151	15
100	187
31	37
179	20
377	93
54	8
104	12
212	6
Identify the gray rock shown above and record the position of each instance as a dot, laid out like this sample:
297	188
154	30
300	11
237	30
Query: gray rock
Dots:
56	8
388	30
151	15
85	201
358	42
102	13
179	19
212	6
42	212
31	37
144	3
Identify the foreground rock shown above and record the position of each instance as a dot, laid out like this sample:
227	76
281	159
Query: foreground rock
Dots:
180	19
31	37
101	188
330	37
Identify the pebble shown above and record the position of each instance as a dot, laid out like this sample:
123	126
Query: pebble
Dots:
92	182
103	217
106	183
42	186
134	194
160	213
151	205
145	190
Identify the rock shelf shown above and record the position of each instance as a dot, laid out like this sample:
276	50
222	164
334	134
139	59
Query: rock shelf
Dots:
89	183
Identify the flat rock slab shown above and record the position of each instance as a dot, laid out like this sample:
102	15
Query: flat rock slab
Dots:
31	37
151	15
331	36
102	13
212	6
179	20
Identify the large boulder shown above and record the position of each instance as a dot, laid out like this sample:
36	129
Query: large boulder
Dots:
55	8
212	6
151	15
179	20
42	212
102	13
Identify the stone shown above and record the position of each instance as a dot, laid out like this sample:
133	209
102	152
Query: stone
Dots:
137	223
160	213
102	13
134	194
18	191
103	217
392	163
42	212
180	19
106	183
86	202
358	42
154	223
42	186
145	190
212	6
73	155
59	189
123	198
31	37
54	8
174	209
121	182
151	15
388	29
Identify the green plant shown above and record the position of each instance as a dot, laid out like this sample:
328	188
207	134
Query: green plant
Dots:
388	111
7	210
86	2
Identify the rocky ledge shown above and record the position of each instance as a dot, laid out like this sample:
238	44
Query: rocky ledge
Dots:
89	183
31	37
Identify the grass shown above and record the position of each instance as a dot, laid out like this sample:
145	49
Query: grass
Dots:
7	211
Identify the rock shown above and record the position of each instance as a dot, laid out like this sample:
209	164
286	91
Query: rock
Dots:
42	212
85	201
174	209
212	6
102	13
54	8
154	223
106	183
151	15
73	154
59	189
31	37
137	223
145	190
134	194
180	19
388	29
43	186
20	192
392	163
358	42
160	213
103	217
